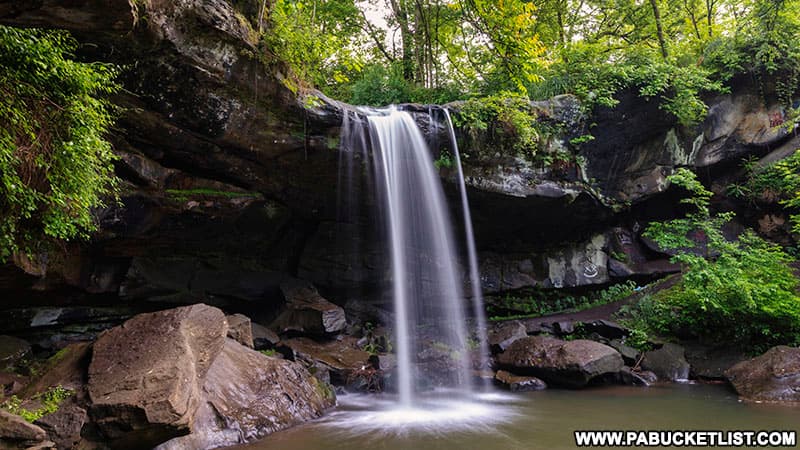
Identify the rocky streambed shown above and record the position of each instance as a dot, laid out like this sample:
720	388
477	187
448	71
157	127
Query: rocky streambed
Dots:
191	377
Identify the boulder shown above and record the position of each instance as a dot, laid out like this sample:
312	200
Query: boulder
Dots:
247	395
564	363
517	383
564	327
11	383
263	337
12	349
773	376
668	362
16	432
710	363
605	328
505	334
629	354
307	311
64	426
636	377
145	375
67	369
342	359
240	329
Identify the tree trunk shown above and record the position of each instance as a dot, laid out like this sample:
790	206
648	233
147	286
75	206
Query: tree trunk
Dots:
406	38
659	29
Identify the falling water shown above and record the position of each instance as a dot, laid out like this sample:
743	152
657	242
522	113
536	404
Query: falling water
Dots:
472	257
426	288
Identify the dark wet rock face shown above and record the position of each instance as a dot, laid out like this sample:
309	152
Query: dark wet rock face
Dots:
565	363
230	185
12	350
773	376
668	363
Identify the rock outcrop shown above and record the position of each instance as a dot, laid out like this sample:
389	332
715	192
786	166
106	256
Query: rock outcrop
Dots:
145	376
668	363
340	361
15	432
308	312
517	383
175	376
566	363
12	349
506	333
220	157
240	329
773	376
64	426
247	395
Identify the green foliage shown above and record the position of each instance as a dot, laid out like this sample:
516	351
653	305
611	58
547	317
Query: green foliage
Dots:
49	402
674	51
548	302
55	164
777	182
379	86
269	352
740	292
318	40
445	160
186	194
585	71
508	121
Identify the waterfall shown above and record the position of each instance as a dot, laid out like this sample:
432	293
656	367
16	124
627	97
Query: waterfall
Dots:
472	257
426	283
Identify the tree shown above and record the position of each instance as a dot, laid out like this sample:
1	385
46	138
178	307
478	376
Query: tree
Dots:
662	43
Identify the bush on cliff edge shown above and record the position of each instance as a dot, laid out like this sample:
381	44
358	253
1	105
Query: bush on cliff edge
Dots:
55	164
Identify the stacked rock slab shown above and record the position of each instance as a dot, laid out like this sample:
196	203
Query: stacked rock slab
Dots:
566	363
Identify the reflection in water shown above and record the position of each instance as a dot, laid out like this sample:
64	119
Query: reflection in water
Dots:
537	420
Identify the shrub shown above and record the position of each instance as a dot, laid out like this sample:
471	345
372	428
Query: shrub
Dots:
740	292
55	164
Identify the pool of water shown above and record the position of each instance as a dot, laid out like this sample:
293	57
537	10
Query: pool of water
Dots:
536	420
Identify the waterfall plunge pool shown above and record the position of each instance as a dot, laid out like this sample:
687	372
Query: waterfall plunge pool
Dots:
534	420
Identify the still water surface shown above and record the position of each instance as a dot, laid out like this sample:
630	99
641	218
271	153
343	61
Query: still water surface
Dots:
536	420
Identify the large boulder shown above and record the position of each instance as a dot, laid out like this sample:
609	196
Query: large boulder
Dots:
240	329
338	361
173	378
67	369
263	337
773	376
247	395
565	363
668	362
504	334
145	375
64	426
15	432
307	311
